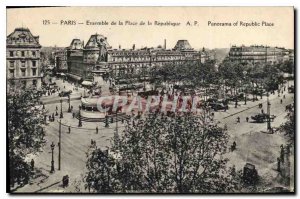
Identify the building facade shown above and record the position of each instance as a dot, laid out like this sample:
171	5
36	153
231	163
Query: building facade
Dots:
23	58
258	54
60	60
97	57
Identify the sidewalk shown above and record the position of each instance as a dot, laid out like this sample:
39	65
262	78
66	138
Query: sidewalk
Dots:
250	104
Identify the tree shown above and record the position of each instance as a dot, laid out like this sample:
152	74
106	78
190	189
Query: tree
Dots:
289	127
25	131
163	154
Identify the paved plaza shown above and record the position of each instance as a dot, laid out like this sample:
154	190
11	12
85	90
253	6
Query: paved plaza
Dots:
254	143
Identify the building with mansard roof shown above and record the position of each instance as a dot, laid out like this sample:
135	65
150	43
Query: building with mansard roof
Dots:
23	58
258	54
98	58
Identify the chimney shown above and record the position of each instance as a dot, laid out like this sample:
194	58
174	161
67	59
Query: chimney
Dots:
37	38
165	44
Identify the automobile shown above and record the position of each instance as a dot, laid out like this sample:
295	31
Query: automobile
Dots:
218	106
291	89
250	175
262	117
147	93
64	93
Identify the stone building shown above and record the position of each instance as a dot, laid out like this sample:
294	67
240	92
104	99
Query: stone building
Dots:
23	58
97	59
60	60
258	54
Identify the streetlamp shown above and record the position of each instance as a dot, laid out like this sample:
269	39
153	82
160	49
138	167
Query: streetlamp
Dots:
236	98
52	160
61	113
79	117
245	93
69	100
269	114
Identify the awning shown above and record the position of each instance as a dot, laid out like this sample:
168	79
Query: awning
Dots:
76	77
87	83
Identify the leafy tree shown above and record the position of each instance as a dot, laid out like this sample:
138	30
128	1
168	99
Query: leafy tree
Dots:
25	131
289	126
162	154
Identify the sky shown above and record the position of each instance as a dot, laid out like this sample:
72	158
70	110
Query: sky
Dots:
281	34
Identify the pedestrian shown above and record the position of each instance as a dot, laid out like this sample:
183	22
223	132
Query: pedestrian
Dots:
65	181
233	147
238	119
281	153
283	96
71	108
262	111
49	118
52	117
247	119
69	129
64	87
278	164
32	164
73	114
96	129
280	101
56	108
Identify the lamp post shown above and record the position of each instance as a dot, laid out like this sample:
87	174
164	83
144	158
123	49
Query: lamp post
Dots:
52	160
59	145
268	112
236	98
61	113
79	117
245	93
69	100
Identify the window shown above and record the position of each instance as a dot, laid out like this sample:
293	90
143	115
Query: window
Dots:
12	64
33	63
33	53
11	53
34	82
34	72
22	63
23	84
23	53
23	72
11	73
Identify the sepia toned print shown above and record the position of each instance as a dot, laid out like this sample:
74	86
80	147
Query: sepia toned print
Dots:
150	100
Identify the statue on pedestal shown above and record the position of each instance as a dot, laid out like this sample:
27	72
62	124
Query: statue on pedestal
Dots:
102	51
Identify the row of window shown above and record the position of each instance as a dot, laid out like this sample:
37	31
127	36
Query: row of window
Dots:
22	53
24	83
22	72
23	63
146	58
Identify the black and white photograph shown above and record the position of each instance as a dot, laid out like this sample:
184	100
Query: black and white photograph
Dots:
160	100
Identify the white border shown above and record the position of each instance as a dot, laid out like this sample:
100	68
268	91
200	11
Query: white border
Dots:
5	3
